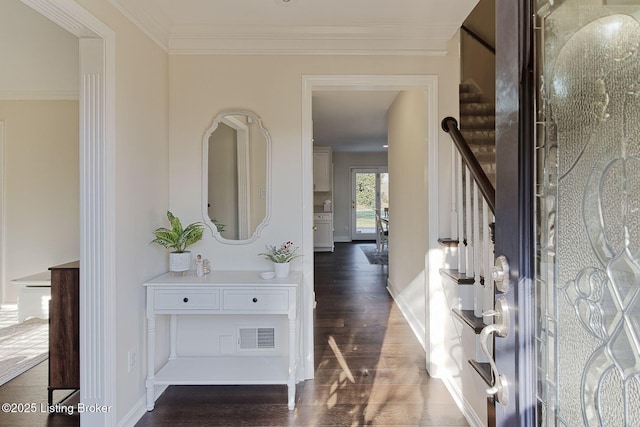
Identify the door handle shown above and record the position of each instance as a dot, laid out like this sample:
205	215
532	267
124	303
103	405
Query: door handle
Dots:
500	274
500	388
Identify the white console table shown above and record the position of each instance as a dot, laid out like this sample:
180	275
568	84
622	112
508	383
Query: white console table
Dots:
34	293
229	293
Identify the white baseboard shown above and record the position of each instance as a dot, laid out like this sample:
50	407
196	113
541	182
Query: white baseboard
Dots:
463	404
139	409
405	308
342	239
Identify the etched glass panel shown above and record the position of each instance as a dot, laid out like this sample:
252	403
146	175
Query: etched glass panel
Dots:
588	213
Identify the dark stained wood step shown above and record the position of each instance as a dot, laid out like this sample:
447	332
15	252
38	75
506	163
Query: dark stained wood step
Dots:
484	370
457	277
469	318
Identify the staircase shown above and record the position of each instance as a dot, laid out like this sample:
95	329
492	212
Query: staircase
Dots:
478	126
470	282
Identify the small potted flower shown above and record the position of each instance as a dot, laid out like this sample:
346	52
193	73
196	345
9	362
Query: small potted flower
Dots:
178	239
281	256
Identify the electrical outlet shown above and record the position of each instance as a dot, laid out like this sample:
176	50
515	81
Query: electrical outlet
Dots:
131	360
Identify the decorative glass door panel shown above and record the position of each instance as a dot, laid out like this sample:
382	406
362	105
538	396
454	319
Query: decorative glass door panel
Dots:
588	213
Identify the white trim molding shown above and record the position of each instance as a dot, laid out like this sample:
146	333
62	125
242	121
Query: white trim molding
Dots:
97	205
320	40
375	39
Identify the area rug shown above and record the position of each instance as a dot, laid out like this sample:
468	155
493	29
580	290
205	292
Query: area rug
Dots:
373	256
22	346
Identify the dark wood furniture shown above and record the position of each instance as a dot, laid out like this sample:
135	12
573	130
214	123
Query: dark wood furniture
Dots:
64	328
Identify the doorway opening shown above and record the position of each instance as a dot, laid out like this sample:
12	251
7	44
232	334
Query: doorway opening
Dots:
320	83
369	201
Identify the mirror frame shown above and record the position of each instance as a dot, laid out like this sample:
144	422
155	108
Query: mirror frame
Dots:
205	177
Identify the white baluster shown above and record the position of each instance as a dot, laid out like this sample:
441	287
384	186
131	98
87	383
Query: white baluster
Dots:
488	261
468	225
477	286
462	259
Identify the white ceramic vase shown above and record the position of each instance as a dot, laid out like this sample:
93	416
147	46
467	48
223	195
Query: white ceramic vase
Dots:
281	268
179	261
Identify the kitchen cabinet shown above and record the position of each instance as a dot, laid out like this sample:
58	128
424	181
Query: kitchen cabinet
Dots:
323	232
322	169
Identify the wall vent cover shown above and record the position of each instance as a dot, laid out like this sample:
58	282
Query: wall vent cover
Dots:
257	338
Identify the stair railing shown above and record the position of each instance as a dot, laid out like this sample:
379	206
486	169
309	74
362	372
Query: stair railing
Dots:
472	217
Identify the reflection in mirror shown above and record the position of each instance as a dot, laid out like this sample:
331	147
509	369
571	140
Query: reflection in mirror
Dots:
236	177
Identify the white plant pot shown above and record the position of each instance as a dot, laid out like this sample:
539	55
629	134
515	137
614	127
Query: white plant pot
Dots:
281	268
179	261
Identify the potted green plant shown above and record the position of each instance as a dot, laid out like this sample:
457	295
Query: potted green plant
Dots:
281	256
178	239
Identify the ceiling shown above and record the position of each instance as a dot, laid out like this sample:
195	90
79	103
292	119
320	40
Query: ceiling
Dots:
347	121
354	121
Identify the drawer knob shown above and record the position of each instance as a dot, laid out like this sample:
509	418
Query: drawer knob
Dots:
255	300
185	299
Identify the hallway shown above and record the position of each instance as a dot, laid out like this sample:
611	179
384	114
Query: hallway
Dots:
370	369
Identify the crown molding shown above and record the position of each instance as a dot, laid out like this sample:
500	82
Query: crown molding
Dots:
227	39
327	40
148	18
39	95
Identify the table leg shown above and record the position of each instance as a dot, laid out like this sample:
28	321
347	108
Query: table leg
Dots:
291	381
173	337
151	345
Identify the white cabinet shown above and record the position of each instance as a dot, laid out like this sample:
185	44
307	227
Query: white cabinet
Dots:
322	170
323	232
236	293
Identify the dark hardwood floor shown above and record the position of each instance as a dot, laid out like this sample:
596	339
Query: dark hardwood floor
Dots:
27	396
369	368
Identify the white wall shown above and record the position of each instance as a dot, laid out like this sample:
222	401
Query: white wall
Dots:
41	226
408	192
40	67
202	86
37	55
342	164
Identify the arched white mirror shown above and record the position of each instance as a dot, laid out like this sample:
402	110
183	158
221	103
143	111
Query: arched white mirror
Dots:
236	152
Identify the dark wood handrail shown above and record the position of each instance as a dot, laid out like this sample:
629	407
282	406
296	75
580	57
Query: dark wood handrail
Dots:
450	125
479	40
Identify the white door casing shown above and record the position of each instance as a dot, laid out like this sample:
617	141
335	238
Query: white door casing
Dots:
97	204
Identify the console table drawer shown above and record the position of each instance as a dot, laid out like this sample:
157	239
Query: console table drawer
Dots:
191	299
259	300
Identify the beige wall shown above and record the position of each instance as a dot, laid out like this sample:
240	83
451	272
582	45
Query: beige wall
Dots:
202	86
408	192
37	55
478	63
41	199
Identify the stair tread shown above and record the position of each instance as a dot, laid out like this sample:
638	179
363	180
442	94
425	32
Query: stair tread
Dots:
484	369
456	276
470	319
